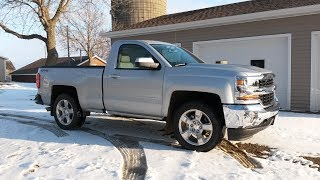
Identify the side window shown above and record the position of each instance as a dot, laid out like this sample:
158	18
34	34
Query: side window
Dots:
128	54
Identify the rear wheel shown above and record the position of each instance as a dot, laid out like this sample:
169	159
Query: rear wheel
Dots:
67	112
196	127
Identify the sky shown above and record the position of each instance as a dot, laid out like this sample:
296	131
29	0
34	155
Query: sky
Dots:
22	52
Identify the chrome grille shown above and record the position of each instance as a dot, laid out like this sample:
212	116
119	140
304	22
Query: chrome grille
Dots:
265	83
267	99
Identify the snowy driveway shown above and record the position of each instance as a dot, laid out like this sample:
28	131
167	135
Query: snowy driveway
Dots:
31	146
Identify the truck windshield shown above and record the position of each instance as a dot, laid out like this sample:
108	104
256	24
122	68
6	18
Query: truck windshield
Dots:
176	56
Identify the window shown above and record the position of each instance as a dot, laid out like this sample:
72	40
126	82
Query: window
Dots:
258	63
175	55
129	53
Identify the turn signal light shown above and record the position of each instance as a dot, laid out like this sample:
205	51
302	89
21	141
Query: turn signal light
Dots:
240	82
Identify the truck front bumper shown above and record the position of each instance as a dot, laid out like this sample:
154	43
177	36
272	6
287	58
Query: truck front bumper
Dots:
243	121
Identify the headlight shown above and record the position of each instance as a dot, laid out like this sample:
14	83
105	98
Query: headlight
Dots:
247	89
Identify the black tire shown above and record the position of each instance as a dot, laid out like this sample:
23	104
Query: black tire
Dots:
77	119
216	124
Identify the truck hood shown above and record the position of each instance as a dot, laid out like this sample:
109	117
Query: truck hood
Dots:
240	70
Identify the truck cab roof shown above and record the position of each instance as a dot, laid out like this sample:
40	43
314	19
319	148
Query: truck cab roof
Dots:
141	41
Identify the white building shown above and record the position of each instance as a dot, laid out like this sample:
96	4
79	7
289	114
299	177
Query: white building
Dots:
6	67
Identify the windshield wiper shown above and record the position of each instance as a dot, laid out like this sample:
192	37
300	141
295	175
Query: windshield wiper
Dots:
182	64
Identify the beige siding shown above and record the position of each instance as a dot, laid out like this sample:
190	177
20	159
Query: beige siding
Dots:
300	28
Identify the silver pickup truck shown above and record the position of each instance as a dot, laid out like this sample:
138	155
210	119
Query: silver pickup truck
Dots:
201	102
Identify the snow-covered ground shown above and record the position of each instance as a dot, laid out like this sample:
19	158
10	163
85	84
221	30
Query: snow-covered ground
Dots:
29	151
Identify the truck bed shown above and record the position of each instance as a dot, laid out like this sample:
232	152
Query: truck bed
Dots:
86	80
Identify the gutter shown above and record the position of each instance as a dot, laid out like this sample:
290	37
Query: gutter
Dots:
259	16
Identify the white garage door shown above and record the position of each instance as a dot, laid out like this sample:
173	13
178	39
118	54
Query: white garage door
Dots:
274	51
315	73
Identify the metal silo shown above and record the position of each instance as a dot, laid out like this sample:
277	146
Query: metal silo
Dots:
127	12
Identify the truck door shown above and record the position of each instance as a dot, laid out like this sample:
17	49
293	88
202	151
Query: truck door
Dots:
132	89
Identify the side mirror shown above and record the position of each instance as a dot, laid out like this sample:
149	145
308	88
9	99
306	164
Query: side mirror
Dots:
146	62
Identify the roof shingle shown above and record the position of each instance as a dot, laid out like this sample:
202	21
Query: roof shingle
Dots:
245	7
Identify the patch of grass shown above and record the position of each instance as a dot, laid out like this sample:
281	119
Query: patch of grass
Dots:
259	151
315	160
238	154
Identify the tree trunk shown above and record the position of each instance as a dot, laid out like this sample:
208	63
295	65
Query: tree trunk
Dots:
52	52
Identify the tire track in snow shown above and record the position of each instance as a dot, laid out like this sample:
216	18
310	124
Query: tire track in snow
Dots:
135	164
49	127
22	116
135	161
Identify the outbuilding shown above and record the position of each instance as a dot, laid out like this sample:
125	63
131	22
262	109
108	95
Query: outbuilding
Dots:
6	67
28	72
280	35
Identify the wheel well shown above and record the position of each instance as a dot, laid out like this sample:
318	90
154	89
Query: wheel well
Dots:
57	90
213	100
70	90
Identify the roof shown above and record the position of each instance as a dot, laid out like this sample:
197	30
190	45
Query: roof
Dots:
96	57
9	65
3	58
33	67
241	8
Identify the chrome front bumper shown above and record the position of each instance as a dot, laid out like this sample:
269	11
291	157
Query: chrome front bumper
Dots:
248	116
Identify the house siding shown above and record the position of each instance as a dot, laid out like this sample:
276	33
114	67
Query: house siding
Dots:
299	27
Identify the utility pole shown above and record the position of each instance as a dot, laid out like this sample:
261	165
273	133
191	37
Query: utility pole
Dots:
68	44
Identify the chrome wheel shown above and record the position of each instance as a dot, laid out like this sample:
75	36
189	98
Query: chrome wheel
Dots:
64	112
195	127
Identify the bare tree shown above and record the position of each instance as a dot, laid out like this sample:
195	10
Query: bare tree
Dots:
34	19
85	24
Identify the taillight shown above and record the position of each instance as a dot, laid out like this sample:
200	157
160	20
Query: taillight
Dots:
38	80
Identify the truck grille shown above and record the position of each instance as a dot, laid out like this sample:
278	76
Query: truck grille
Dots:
266	83
267	99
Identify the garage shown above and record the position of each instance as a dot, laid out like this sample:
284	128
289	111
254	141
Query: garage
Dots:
269	52
315	72
275	36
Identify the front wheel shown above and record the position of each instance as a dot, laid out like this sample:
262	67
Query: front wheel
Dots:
67	112
197	127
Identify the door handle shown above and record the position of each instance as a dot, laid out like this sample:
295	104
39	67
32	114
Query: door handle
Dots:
114	76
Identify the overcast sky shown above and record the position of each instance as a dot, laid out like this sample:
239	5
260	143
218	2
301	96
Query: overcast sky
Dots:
22	52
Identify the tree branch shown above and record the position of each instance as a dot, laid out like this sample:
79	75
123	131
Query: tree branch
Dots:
48	4
36	2
61	9
22	36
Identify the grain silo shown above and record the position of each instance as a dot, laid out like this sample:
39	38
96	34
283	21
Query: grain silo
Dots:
127	12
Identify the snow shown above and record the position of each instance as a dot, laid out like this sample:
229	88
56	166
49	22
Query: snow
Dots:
294	132
24	149
31	152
